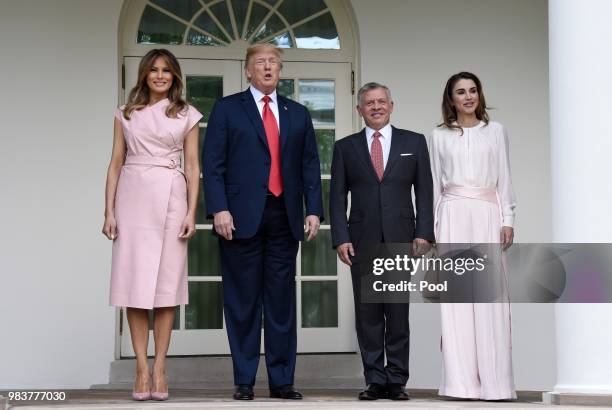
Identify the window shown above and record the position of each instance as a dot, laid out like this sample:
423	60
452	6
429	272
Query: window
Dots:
218	23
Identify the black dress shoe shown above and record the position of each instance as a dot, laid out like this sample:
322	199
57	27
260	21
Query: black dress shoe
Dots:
397	392
374	391
287	392
244	392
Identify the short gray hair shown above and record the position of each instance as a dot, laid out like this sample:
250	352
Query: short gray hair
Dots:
372	86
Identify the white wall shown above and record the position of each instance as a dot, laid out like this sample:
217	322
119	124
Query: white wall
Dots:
59	71
413	46
59	63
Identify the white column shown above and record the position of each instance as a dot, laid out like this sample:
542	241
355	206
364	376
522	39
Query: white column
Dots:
580	37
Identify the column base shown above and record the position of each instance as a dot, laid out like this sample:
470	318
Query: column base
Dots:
577	399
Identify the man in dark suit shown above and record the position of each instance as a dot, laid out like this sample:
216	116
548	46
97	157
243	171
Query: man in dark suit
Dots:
260	165
379	166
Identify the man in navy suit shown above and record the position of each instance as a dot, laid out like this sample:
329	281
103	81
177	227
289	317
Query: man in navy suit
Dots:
380	166
261	165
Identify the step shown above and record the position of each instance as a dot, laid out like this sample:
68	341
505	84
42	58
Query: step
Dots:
577	399
312	370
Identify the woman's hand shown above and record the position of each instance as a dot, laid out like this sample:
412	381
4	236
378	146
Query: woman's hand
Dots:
188	228
507	237
110	227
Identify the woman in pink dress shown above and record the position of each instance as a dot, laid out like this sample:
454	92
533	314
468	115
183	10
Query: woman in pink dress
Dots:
474	204
150	210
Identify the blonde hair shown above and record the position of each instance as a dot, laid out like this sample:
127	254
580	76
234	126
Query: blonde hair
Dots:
261	47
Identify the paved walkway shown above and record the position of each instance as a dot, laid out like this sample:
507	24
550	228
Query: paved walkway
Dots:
314	399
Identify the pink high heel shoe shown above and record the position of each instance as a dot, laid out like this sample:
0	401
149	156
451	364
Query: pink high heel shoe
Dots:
159	396
141	396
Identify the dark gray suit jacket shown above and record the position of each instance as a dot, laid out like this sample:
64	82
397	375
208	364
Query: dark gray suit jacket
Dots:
381	209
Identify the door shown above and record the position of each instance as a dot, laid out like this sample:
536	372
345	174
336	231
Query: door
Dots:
324	293
325	319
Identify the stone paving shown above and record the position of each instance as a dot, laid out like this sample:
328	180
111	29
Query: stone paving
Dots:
314	399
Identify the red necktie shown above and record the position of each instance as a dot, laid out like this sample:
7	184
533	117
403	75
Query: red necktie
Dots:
377	156
275	182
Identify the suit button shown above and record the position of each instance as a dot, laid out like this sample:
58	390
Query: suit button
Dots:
264	186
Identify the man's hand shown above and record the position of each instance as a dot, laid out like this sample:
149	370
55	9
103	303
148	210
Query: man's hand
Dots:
420	246
312	225
224	224
344	250
507	237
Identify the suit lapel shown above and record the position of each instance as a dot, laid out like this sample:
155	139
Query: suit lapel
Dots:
248	102
363	153
394	151
283	113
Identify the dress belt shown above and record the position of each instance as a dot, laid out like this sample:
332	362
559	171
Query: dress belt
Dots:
484	194
171	163
155	161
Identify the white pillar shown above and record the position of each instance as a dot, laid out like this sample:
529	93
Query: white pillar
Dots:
580	64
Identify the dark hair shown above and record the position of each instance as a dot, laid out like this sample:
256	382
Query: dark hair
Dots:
140	94
449	112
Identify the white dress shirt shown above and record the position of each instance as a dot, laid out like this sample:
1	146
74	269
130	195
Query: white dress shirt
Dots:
385	140
258	95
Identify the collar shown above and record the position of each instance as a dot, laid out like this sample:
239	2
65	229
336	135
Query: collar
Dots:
258	95
385	132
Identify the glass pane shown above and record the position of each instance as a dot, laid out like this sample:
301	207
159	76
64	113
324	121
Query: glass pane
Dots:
258	13
203	254
206	23
240	10
325	185
273	25
319	97
202	92
271	2
201	136
282	40
319	304
318	256
159	28
222	14
325	144
286	88
184	9
201	211
318	33
195	38
205	308
296	10
177	319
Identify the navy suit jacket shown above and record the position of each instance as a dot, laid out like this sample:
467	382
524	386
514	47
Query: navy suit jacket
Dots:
236	162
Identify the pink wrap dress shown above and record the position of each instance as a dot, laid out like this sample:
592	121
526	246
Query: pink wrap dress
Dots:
149	264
